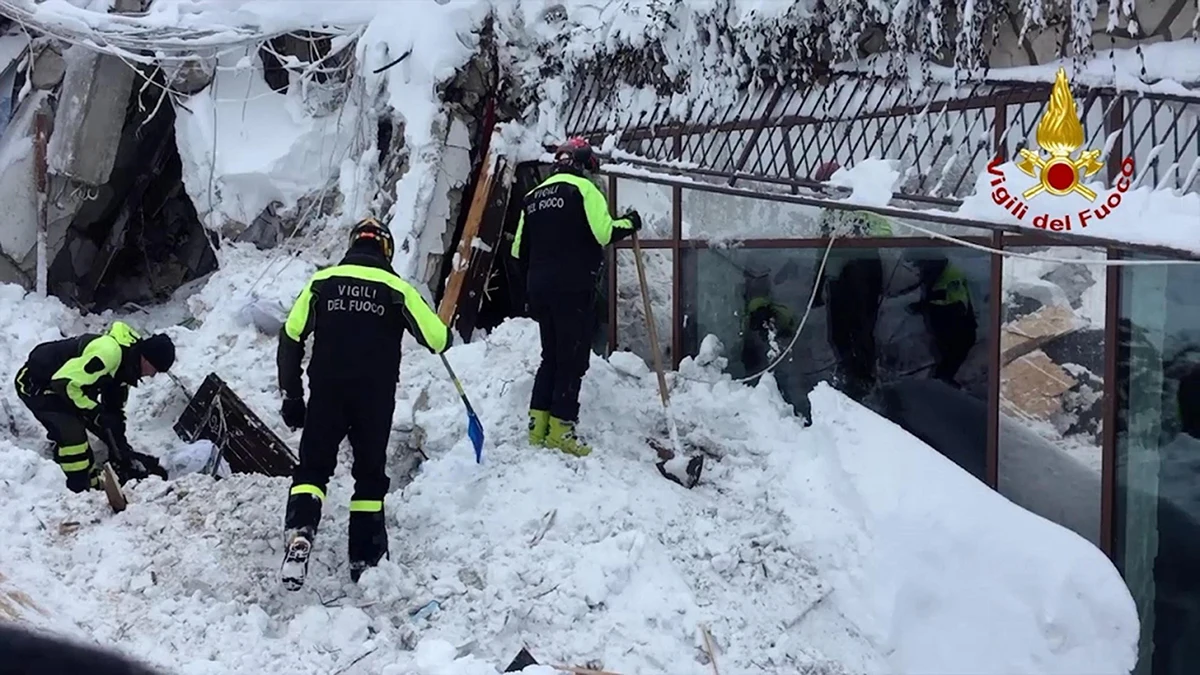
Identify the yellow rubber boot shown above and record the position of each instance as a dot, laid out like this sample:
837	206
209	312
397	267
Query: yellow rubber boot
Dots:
562	437
539	424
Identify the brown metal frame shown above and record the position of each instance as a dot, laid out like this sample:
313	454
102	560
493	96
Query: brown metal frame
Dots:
996	320
1046	238
997	239
772	140
610	258
782	133
1108	443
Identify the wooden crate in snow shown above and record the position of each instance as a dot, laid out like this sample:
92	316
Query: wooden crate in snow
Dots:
217	414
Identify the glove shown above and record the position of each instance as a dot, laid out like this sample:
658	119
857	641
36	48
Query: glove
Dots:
143	465
109	420
634	219
293	412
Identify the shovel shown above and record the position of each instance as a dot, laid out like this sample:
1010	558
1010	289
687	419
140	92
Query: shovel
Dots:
672	463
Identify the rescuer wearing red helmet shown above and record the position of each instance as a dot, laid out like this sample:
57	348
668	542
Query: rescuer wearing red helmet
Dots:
357	312
564	227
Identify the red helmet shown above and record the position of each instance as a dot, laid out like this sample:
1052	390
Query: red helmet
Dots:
577	153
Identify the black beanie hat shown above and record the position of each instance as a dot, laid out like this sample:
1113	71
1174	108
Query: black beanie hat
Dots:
159	350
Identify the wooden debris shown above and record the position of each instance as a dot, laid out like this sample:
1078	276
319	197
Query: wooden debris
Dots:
547	522
217	414
1029	333
708	648
1033	385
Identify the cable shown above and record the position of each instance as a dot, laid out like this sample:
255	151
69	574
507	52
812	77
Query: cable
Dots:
812	298
945	237
1007	253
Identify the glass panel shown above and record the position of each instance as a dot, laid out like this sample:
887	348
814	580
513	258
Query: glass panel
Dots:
632	334
600	335
885	326
1052	385
1157	507
652	202
714	217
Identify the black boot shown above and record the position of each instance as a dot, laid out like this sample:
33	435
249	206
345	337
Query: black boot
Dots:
303	516
368	541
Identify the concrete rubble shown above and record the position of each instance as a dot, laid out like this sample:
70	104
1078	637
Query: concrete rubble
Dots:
90	116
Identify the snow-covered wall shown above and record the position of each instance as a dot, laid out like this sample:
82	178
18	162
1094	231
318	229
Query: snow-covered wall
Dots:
246	147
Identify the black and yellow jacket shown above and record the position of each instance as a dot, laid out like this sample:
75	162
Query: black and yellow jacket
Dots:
944	285
761	311
92	371
357	312
564	227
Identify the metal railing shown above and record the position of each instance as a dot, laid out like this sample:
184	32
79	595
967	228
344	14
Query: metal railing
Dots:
943	135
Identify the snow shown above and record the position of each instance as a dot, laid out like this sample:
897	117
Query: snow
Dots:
871	181
245	146
1128	212
272	148
847	545
12	46
844	547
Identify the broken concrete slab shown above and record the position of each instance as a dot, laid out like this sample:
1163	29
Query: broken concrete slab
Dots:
1030	332
18	193
90	117
49	67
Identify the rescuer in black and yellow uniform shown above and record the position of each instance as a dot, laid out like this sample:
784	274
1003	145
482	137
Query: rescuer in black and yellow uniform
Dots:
949	315
767	329
81	384
357	312
854	295
561	236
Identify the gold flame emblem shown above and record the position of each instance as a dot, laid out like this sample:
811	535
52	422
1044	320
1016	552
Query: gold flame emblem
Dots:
1060	134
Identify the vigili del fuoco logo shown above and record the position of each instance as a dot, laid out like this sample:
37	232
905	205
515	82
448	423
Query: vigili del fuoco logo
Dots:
1059	135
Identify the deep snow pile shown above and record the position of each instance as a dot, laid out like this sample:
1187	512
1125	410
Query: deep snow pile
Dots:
848	545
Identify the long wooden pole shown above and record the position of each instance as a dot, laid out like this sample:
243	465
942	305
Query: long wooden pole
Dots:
462	255
652	330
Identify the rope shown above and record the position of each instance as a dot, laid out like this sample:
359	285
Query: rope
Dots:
812	298
1008	253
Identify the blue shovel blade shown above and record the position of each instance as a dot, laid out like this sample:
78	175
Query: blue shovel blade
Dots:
475	433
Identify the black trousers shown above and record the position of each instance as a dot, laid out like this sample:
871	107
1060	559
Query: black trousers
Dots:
362	412
854	298
953	329
566	322
66	426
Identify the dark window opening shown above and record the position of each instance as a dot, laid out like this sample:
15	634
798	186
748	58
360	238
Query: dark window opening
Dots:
139	238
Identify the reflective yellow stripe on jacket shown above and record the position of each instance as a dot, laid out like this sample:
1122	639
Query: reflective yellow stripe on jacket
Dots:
429	329
595	206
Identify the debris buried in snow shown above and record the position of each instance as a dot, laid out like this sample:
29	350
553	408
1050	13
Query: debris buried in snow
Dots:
112	489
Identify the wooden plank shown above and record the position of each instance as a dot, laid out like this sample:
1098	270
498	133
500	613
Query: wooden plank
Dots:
462	258
483	257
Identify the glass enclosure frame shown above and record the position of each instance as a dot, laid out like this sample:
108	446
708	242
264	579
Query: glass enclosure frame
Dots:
990	236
